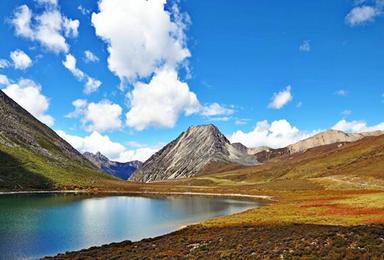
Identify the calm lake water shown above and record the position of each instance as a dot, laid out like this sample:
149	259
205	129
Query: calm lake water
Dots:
36	225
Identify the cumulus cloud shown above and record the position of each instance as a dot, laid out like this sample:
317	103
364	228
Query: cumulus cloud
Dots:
147	47
277	134
4	80
141	36
70	64
362	15
47	2
357	126
71	27
20	60
4	63
215	109
91	84
28	95
48	28
90	56
160	102
96	142
100	117
281	98
305	46
140	154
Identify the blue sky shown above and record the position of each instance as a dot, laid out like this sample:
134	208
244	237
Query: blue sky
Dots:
265	72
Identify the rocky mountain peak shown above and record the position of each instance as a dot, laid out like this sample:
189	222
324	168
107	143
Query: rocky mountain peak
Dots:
188	154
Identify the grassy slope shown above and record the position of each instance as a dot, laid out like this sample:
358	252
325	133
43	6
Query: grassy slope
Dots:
33	156
21	169
355	165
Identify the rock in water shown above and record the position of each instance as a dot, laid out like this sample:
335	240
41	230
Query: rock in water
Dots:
117	169
187	155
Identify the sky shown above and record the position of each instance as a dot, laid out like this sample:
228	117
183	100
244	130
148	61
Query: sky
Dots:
125	77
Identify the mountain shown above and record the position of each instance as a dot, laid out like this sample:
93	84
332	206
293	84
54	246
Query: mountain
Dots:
352	165
116	169
33	156
190	153
325	138
328	137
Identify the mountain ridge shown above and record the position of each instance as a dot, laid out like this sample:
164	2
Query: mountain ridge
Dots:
33	156
121	170
187	155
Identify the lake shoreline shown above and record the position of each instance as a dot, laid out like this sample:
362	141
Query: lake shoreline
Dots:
229	195
149	194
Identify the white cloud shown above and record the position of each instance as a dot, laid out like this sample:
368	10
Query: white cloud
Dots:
361	15
160	102
347	112
22	22
71	27
83	10
103	116
47	28
96	142
20	60
70	64
216	109
357	126
4	80
47	2
90	56
341	93
28	95
4	63
141	36
140	154
147	46
278	134
91	84
80	106
241	121
100	117
305	46
281	98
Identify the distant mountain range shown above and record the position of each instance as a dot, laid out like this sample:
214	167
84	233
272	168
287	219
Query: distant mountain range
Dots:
187	155
320	139
32	156
200	146
116	169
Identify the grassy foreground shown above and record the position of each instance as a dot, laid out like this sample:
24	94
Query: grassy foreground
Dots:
309	225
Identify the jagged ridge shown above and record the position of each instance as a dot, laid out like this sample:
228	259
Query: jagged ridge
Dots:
117	169
188	154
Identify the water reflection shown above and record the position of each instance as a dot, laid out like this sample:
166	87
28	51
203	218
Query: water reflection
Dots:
46	224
